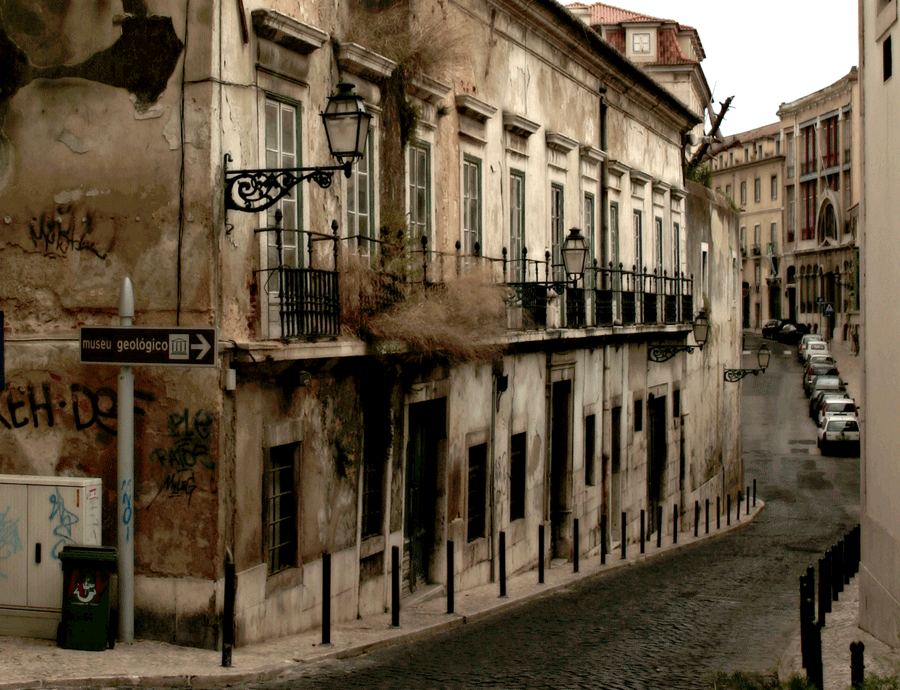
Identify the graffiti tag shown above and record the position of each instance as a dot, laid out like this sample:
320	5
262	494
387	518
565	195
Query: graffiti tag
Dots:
187	454
127	511
62	231
10	543
63	520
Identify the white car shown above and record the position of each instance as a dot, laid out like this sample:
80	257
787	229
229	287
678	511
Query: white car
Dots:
831	407
804	341
815	347
839	433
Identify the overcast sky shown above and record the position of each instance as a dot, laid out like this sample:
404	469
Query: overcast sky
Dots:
765	52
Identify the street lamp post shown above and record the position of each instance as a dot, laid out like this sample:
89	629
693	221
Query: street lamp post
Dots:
346	128
659	352
762	357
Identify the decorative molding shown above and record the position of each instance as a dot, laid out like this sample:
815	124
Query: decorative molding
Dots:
639	178
661	187
560	142
677	194
474	108
617	168
518	125
287	32
428	89
591	154
363	62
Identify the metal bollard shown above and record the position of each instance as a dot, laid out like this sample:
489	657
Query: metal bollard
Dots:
823	594
228	609
696	518
602	540
502	556
857	665
814	671
623	535
540	554
451	579
707	516
642	530
395	586
738	513
747	499
675	524
718	512
575	545
326	598
728	509
659	527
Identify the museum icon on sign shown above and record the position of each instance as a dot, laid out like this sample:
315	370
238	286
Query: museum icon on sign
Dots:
179	346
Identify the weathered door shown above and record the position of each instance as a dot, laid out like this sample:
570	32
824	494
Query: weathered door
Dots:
427	425
560	464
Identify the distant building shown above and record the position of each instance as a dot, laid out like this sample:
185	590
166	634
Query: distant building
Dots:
879	576
797	185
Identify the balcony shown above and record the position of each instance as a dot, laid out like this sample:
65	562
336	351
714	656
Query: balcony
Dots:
345	281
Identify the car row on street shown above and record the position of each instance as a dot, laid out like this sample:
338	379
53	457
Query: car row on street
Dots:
831	407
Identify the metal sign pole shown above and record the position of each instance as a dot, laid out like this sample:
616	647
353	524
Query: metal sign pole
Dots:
125	477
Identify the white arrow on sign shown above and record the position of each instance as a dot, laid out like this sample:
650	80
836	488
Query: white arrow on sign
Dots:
203	346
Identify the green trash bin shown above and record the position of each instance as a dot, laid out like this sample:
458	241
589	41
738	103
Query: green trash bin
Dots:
85	620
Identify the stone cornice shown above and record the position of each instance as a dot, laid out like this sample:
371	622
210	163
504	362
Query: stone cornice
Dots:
287	32
519	125
560	142
467	104
356	59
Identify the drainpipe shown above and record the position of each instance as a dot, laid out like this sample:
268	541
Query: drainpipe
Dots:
495	401
605	254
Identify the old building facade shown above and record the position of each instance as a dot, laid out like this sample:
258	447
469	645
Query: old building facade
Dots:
402	359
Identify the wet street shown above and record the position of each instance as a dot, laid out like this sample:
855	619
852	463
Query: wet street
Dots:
726	604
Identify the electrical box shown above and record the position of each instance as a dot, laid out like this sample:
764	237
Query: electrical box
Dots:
38	517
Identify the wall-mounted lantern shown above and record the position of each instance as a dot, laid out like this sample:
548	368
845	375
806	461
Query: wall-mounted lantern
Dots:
762	357
659	352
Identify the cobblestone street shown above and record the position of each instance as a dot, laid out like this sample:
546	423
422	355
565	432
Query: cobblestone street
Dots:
725	604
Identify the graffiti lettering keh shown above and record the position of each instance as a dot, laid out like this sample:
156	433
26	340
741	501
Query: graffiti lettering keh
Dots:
187	454
36	406
64	230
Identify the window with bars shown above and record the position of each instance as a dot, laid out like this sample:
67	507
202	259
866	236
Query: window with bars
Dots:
557	230
477	492
419	199
280	504
471	205
517	224
517	474
361	201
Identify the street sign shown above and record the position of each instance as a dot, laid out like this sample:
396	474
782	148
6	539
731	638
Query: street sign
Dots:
160	346
828	310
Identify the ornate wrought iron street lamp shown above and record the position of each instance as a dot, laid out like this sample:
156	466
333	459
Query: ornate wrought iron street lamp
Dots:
346	128
658	352
574	252
762	357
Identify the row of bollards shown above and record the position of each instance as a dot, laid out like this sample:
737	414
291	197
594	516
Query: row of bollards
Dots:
845	551
836	567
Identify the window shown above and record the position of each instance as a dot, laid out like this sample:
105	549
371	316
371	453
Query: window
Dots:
475	523
590	446
517	224
640	43
614	233
728	191
831	155
743	239
756	239
676	404
808	159
589	230
757	190
360	201
789	155
280	506
887	60
517	474
638	241
757	275
676	246
557	224
773	187
791	203
773	235
638	414
419	171
808	192
471	205
658	224
373	496
744	193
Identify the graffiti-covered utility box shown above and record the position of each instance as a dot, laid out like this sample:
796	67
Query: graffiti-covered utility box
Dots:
38	517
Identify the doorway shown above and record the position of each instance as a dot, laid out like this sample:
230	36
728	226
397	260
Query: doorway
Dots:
560	464
427	431
656	448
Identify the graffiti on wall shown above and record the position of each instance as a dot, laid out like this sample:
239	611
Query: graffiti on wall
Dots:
37	406
64	230
188	454
63	520
10	542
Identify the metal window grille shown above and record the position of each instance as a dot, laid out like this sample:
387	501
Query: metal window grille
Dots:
281	507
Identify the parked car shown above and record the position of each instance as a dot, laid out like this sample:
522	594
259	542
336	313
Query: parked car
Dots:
771	327
839	433
790	333
815	347
803	340
841	402
822	386
821	359
813	371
